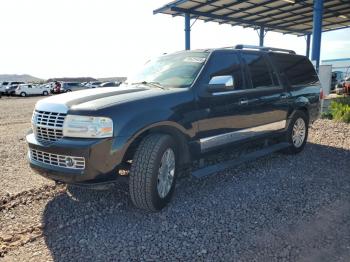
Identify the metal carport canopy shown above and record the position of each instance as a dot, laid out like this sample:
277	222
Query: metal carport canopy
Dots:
298	17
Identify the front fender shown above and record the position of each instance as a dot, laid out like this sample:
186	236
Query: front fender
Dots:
147	120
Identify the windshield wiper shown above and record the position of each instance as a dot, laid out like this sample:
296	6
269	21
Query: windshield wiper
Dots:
151	83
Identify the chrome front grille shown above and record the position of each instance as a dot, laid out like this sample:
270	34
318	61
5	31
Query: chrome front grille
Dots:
72	162
48	126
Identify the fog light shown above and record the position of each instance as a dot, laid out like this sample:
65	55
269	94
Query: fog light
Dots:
69	162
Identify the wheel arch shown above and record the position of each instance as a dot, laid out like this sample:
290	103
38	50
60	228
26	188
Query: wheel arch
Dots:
301	104
175	132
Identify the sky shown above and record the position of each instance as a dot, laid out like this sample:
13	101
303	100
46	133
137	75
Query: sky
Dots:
104	38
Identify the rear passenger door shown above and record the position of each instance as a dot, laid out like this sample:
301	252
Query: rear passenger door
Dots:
244	111
267	94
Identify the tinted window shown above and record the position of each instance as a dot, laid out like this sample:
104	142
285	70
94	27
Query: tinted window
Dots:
259	70
73	84
222	64
297	69
108	84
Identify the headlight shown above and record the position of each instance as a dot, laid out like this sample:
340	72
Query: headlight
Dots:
87	126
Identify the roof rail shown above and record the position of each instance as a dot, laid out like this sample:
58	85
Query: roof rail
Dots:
265	48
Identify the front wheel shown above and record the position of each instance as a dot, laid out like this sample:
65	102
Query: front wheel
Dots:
153	172
23	94
45	93
297	133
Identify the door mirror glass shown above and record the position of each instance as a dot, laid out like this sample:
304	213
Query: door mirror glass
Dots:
222	80
221	83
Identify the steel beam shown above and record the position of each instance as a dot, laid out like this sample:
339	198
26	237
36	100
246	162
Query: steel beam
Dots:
187	31
317	32
237	20
261	36
308	40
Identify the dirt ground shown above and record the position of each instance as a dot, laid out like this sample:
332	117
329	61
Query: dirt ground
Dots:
15	122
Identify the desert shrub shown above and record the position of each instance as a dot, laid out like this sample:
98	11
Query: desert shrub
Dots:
326	115
340	109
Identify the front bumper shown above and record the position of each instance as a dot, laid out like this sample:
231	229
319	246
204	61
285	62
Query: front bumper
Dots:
100	159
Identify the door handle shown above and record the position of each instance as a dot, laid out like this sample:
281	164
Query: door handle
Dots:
243	101
284	96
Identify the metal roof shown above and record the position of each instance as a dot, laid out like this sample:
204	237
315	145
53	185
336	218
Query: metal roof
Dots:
284	16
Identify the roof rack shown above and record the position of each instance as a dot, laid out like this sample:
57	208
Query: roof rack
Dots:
265	48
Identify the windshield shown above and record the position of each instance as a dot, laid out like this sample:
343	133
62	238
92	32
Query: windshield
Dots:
174	70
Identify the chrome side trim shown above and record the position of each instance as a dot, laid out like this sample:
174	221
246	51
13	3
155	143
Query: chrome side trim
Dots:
227	92
248	91
222	139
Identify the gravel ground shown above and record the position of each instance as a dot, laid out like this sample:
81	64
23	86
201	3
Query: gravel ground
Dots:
14	124
279	208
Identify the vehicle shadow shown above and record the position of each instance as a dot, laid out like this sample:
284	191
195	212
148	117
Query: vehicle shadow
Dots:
278	207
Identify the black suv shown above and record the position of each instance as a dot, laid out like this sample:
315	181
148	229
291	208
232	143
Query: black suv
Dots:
179	107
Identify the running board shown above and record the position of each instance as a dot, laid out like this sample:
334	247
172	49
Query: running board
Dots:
211	170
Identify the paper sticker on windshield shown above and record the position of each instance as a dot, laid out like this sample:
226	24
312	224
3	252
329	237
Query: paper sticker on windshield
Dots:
194	59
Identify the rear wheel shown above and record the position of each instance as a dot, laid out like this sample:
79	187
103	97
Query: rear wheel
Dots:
45	93
153	172
68	90
23	94
297	133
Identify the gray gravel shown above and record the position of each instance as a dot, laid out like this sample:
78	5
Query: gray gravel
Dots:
279	208
15	116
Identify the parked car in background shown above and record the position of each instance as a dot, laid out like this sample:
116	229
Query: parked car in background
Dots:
337	77
57	88
346	86
3	86
48	86
11	88
30	89
93	84
109	84
339	89
72	86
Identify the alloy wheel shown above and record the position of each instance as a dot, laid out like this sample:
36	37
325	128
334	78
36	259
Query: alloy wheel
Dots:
166	173
299	132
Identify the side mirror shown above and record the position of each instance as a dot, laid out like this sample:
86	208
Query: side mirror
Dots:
220	83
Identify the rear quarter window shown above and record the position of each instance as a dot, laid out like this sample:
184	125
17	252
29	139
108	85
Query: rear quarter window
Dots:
298	70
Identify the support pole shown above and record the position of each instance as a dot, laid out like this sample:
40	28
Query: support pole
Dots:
317	32
187	31
308	40
261	36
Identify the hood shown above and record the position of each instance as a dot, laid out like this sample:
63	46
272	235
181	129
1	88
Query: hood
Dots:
92	99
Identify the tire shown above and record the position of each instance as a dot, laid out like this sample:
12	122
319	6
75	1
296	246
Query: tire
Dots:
45	93
145	184
68	90
298	121
23	94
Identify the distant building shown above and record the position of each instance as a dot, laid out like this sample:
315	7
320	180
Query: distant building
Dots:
72	79
341	66
113	79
